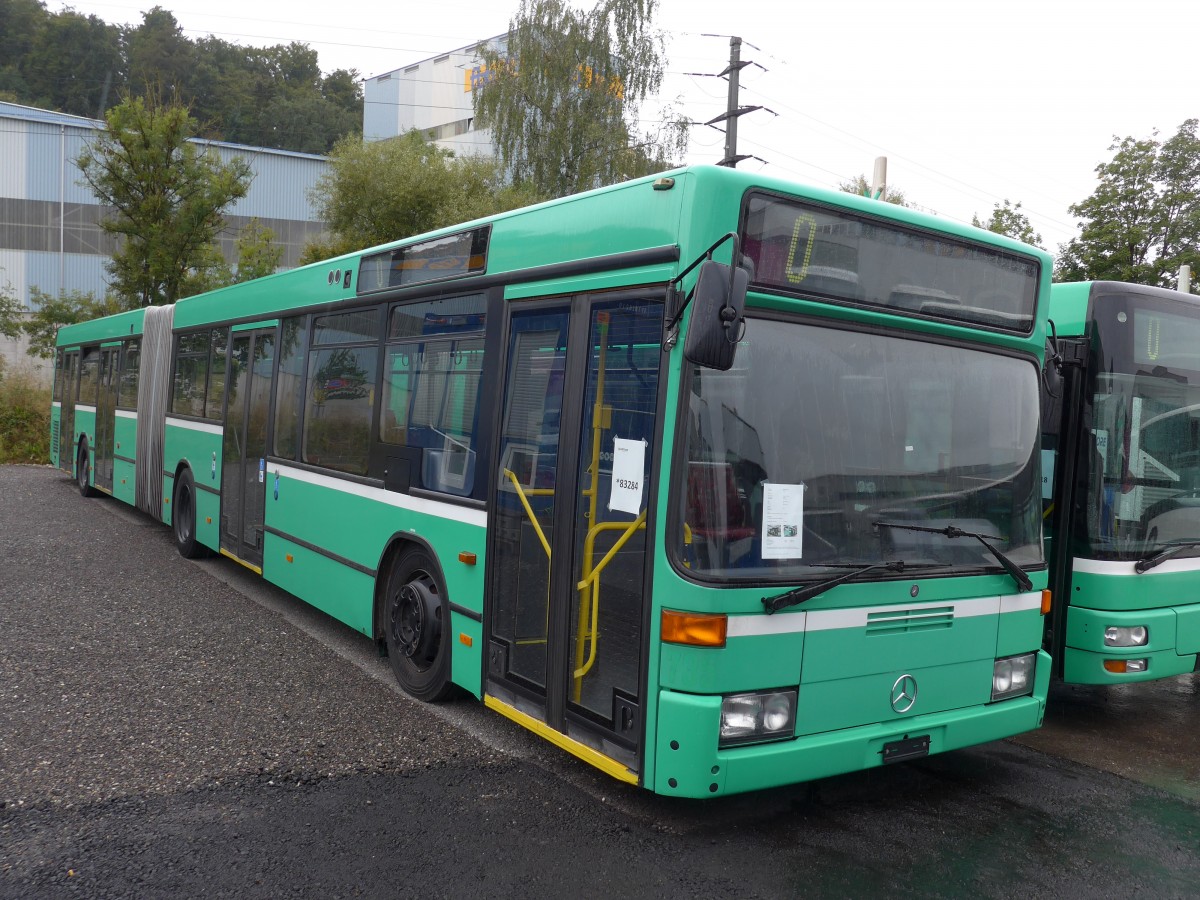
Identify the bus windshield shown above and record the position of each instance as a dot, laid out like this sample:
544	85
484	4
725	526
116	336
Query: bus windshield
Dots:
817	434
1142	451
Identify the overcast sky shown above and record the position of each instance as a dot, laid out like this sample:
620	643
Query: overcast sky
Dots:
971	102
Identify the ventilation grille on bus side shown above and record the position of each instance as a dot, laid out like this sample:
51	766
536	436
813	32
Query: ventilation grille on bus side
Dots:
897	621
54	426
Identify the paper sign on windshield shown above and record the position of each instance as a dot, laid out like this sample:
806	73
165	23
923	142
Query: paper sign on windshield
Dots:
628	473
783	521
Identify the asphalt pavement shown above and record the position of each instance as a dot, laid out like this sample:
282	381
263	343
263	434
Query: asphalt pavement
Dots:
177	729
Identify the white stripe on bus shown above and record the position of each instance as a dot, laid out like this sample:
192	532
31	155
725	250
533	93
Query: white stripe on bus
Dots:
451	511
126	414
83	407
829	619
196	426
1125	567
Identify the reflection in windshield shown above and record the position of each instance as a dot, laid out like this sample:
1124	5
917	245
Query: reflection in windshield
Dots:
816	434
1143	452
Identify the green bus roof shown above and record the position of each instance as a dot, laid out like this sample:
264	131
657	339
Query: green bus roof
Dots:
110	328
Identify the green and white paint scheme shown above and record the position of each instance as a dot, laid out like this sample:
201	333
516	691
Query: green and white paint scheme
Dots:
544	503
1123	436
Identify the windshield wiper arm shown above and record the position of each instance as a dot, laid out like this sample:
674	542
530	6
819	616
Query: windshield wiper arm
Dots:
1160	556
953	531
798	595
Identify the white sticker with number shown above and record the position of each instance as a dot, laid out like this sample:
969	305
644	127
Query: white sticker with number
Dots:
628	474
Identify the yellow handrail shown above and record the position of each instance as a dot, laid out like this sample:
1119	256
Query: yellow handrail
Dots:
537	526
589	594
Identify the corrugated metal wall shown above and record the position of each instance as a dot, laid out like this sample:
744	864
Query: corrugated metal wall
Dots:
49	222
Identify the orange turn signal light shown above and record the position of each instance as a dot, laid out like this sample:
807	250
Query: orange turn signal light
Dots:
694	629
1115	665
466	556
1047	596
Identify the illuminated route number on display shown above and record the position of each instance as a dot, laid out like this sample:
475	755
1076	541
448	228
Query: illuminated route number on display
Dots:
1153	337
804	233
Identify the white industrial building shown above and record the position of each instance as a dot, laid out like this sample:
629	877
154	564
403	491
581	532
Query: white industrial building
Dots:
434	96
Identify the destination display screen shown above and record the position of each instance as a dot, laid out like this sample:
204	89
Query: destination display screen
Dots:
1164	339
808	249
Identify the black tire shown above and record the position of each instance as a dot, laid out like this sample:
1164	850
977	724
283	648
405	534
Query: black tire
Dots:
83	471
416	626
183	517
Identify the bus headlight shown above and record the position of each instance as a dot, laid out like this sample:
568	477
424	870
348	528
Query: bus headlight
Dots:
760	716
1013	676
1126	636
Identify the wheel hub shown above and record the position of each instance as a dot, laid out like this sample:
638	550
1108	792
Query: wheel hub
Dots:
414	621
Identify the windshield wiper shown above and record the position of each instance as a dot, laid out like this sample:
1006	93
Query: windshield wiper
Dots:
953	531
798	595
1158	557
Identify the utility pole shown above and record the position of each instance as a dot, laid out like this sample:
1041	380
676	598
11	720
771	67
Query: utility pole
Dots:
1185	278
732	110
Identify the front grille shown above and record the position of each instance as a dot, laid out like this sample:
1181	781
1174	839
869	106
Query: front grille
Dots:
903	621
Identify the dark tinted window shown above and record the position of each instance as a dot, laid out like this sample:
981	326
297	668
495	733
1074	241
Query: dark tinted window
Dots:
431	385
130	365
290	388
451	256
89	371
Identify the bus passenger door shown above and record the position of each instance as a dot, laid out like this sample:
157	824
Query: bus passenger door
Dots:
568	554
106	412
244	455
66	415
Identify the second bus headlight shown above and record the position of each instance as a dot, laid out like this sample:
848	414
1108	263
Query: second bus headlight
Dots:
760	716
1126	636
1013	676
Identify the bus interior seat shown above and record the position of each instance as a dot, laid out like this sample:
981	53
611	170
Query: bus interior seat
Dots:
716	511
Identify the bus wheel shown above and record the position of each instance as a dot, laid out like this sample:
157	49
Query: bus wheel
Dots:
183	518
83	471
417	627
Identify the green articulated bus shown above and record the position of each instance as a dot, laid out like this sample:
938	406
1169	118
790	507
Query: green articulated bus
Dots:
1122	439
716	481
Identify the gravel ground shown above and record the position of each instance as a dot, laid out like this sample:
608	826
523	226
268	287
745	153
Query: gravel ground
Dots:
152	678
165	731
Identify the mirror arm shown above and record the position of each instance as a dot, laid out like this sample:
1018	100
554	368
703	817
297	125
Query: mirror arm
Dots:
1057	357
672	330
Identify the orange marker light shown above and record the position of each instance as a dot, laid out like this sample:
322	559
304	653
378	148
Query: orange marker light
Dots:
465	639
694	629
1047	596
1115	665
468	557
288	557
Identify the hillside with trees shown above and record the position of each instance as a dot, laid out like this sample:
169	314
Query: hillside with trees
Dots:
263	96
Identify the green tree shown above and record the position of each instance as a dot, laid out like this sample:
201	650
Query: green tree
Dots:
1143	220
10	314
257	256
1007	219
386	190
51	313
21	21
563	99
74	64
167	194
160	58
861	186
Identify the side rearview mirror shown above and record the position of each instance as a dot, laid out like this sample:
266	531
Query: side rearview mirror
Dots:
718	304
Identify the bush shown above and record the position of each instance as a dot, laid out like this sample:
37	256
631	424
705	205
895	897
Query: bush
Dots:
24	419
